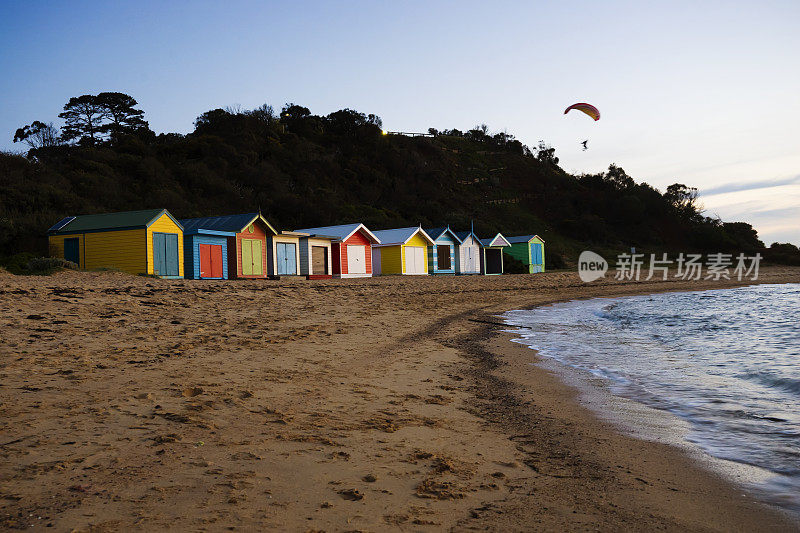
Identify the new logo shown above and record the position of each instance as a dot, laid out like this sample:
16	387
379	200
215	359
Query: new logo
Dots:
591	266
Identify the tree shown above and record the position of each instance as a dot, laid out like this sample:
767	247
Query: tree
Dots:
91	119
294	112
618	178
683	199
211	120
546	154
38	135
84	119
348	121
121	113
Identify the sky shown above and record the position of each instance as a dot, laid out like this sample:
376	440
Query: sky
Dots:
701	93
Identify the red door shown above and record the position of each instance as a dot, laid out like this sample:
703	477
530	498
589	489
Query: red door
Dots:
210	260
216	261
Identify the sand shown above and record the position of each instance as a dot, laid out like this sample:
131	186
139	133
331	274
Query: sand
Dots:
131	403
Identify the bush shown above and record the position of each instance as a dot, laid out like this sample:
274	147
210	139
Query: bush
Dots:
554	261
42	266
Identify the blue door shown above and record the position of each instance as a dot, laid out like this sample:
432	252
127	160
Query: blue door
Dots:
285	259
536	254
72	250
172	254
165	254
159	261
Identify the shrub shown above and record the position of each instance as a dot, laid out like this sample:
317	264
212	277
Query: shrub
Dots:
42	266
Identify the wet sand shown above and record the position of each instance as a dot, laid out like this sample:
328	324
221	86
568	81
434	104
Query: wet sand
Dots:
336	405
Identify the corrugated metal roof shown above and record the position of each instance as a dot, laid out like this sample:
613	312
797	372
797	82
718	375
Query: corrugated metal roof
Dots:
462	235
105	221
400	235
435	233
522	238
234	223
340	232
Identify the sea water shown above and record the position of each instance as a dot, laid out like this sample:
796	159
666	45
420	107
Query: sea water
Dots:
727	362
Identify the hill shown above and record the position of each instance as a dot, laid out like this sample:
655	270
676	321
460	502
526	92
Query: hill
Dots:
304	170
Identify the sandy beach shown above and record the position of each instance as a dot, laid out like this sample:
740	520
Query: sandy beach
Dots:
377	404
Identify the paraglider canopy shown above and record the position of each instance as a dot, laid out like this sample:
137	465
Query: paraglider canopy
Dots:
589	109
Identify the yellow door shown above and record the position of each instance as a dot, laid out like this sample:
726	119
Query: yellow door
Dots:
247	257
258	263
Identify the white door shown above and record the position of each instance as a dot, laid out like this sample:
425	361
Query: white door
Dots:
415	260
470	262
356	260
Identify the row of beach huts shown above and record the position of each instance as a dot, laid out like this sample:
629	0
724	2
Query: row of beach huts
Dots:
247	246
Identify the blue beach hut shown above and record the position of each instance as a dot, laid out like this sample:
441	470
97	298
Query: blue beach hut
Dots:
442	254
205	253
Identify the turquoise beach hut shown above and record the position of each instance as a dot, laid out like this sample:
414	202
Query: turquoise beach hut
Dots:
442	254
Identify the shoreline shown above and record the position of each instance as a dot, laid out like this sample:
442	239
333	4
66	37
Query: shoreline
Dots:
367	404
662	461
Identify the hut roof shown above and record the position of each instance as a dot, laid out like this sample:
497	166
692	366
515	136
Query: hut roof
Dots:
389	237
497	240
463	235
233	223
523	238
435	233
341	232
109	221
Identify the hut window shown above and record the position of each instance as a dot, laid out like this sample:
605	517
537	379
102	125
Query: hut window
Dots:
443	256
250	228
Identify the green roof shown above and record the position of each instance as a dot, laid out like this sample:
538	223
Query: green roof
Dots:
109	221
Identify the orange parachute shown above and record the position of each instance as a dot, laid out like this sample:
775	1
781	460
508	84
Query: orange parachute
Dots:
589	109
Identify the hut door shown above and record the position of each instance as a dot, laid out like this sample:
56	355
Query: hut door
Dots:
286	261
415	260
468	259
210	261
216	260
319	260
536	253
252	257
72	250
257	257
356	260
205	260
247	257
443	257
165	254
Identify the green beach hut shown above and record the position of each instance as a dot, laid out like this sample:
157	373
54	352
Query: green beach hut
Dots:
529	249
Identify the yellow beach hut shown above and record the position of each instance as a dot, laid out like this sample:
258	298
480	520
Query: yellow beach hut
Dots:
139	242
401	251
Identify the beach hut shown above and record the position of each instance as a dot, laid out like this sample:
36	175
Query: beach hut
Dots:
283	258
529	249
442	254
351	249
468	256
401	251
492	257
206	253
315	256
139	242
247	247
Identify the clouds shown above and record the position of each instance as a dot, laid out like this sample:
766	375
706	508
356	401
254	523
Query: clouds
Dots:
771	206
752	185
